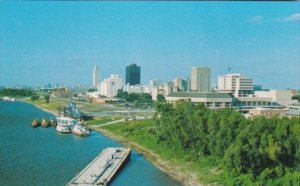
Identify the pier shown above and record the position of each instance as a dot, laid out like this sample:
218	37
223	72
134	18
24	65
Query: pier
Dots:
103	168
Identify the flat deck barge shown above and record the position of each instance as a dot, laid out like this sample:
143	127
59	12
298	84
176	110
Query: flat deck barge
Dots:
103	168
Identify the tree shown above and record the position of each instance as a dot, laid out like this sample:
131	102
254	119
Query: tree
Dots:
160	98
122	94
92	90
34	97
47	98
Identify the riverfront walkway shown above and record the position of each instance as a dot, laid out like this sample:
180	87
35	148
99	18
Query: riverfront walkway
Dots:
115	122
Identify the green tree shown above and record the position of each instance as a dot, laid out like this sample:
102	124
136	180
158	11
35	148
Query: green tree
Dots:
34	97
47	98
160	98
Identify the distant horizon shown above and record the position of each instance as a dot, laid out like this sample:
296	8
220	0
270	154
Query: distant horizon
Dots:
60	42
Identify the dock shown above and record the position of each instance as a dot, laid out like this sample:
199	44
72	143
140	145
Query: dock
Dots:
103	168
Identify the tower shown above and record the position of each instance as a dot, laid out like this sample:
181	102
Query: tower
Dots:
201	79
95	76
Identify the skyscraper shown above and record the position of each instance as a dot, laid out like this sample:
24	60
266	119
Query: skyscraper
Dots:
133	74
95	76
200	80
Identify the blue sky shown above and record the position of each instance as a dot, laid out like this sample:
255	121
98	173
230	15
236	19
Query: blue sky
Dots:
60	42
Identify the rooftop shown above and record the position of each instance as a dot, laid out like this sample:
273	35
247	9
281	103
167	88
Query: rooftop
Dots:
200	95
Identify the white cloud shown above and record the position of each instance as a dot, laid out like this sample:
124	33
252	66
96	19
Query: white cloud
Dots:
292	17
256	19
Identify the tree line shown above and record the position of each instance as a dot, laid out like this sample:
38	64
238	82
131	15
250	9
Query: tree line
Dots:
16	92
259	151
138	99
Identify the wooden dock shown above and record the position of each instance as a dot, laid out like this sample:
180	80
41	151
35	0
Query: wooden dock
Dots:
103	168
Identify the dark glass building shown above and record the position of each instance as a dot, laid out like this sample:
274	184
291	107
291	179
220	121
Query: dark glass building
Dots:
133	74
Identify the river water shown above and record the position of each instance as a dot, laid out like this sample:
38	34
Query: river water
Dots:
43	156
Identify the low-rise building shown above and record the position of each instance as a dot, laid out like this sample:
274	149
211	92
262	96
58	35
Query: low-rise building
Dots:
254	102
212	100
103	100
282	97
267	112
61	92
139	89
181	85
274	99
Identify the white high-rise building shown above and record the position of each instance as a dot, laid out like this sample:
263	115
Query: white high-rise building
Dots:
96	76
110	86
201	79
235	83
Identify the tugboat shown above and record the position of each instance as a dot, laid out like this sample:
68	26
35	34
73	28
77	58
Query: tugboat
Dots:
52	122
65	124
44	123
80	130
35	123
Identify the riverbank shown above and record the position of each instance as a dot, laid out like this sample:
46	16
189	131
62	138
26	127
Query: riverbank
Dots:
40	107
175	171
26	148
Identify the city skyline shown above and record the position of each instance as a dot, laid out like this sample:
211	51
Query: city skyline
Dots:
43	43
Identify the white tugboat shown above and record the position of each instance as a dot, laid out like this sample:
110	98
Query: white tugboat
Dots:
80	130
65	124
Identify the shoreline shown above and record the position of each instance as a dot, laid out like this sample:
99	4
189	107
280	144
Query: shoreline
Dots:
44	109
175	172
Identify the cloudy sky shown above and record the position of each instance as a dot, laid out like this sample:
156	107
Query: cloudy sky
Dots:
60	42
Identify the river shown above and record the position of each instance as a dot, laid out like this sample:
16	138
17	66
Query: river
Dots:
43	156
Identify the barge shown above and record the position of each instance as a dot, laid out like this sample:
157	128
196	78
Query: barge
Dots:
103	168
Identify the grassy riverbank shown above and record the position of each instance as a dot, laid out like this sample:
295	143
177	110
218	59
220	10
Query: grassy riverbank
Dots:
102	120
52	106
138	133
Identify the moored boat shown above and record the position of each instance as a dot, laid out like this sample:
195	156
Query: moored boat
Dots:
65	124
44	123
35	123
52	122
80	130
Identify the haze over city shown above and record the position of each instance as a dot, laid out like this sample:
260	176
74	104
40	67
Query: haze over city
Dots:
47	42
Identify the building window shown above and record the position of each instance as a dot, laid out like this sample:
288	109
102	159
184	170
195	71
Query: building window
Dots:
218	104
209	104
227	104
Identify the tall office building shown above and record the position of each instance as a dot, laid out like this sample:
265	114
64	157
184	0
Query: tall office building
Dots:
235	83
95	76
200	80
133	74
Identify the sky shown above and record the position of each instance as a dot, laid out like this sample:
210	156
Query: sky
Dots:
60	42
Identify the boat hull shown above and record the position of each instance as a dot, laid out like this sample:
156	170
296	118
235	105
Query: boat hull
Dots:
63	129
80	134
35	125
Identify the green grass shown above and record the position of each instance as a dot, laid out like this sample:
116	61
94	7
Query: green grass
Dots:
143	133
88	107
102	120
52	105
